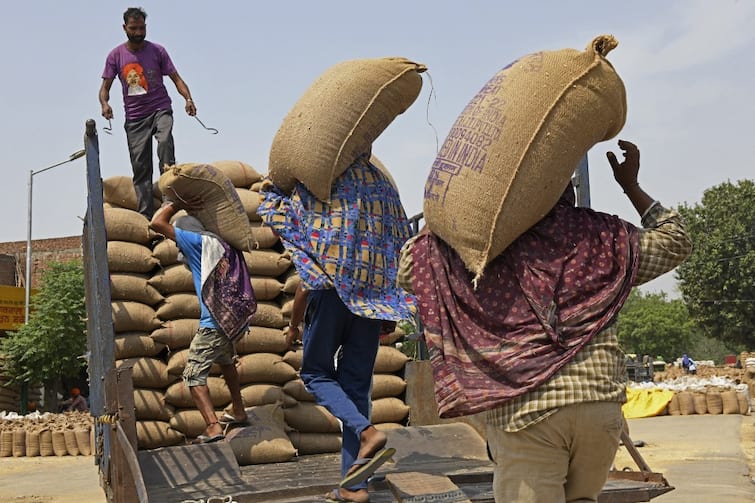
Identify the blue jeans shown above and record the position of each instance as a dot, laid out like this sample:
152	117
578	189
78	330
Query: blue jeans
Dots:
344	389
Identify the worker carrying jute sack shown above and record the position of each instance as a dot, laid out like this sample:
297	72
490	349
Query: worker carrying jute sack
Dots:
513	149
338	118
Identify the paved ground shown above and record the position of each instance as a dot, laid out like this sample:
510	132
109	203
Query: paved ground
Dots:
705	457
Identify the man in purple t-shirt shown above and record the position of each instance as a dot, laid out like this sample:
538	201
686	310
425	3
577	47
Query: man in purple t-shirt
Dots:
140	66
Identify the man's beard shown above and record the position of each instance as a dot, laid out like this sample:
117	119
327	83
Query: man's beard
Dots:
137	39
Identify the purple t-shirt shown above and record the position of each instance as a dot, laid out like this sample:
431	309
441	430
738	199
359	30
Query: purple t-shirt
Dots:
141	75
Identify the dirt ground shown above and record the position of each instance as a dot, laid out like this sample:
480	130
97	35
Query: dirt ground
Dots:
706	458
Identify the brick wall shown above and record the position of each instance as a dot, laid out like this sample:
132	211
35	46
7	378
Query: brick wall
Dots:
43	251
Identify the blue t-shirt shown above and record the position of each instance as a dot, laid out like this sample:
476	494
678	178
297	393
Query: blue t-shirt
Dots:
190	244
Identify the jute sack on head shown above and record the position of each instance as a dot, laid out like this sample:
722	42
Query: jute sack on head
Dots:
338	118
222	212
512	150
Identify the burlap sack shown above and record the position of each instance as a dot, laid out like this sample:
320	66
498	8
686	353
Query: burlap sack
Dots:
127	225
70	439
222	212
700	403
265	394
179	305
166	253
189	422
673	405
315	443
6	443
45	443
250	200
294	358
179	395
389	410
512	151
387	385
266	288
291	281
262	340
154	434
268	315
715	403
176	334
148	372
150	404
131	344
365	95
686	403
118	191
264	235
264	368
174	278
296	389
389	360
19	442
729	402
59	447
83	443
32	443
123	256
240	173
131	316
313	418
265	440
267	262
132	286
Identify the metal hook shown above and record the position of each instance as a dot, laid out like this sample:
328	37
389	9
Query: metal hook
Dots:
212	130
109	128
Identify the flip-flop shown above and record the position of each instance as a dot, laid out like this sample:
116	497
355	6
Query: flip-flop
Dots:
334	496
367	467
228	419
205	439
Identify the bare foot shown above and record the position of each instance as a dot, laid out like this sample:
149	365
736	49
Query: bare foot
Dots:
213	429
371	441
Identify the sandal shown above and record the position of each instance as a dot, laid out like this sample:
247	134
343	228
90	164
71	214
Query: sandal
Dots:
335	496
364	468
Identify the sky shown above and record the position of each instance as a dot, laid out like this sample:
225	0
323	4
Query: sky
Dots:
688	66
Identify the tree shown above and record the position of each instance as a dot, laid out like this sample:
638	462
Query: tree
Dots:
651	324
49	346
718	280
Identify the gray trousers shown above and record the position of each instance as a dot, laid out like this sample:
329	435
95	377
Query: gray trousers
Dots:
139	136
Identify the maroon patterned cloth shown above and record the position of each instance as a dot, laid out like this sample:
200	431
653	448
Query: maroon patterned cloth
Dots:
228	293
535	307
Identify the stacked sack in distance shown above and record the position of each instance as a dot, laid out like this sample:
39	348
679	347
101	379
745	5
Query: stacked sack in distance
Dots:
68	434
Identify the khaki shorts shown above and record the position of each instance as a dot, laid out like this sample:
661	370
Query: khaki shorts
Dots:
207	347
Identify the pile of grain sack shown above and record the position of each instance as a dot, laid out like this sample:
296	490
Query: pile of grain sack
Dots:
687	395
68	434
156	313
10	394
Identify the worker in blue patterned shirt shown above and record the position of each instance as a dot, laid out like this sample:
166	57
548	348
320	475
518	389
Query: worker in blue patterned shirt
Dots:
346	254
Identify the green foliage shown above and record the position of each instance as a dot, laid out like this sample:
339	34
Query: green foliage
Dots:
718	280
48	346
702	347
651	324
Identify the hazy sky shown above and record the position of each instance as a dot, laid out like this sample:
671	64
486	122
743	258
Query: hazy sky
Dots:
688	67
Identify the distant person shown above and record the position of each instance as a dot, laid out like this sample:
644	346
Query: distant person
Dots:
346	254
77	402
227	303
534	343
689	365
140	66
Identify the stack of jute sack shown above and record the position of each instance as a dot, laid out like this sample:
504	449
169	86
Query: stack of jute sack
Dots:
511	152
156	313
706	399
68	434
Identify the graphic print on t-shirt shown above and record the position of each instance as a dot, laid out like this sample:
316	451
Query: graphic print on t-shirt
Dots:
133	74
